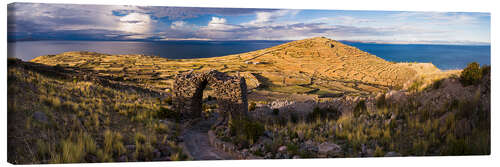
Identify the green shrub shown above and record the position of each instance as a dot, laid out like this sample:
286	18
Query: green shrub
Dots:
471	74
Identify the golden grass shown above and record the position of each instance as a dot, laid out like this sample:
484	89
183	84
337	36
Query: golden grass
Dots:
289	64
84	120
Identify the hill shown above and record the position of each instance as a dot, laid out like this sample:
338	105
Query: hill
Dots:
316	66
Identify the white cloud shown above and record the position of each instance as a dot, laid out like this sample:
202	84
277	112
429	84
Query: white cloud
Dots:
178	25
136	23
219	24
267	18
217	20
440	18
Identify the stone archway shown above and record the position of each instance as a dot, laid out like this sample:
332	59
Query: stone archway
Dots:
230	92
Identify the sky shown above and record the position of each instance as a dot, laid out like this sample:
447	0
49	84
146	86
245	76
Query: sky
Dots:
34	21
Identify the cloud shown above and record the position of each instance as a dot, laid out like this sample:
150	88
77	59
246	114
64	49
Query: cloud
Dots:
37	18
219	24
266	18
136	23
108	22
343	20
179	25
180	13
441	18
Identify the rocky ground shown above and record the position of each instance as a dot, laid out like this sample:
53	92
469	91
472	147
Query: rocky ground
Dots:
197	143
446	118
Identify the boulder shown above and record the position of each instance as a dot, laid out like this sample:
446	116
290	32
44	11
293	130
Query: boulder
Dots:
329	149
41	117
282	149
392	154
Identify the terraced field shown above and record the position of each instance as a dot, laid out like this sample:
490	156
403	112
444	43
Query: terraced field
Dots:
312	66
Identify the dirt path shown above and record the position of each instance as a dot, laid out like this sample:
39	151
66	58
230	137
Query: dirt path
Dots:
197	145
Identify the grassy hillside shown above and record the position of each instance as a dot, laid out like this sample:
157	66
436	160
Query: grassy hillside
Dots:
55	116
309	98
318	66
448	117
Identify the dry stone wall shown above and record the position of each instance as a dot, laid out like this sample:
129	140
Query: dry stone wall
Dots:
230	92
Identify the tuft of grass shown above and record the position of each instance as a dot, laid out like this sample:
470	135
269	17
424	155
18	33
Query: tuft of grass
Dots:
378	152
246	131
252	106
143	147
72	152
113	143
416	85
360	108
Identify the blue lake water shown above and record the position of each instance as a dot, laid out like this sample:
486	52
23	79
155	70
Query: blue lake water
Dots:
443	56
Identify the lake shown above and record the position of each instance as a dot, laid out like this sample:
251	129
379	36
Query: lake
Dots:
443	56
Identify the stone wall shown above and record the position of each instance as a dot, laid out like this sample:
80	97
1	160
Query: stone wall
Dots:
230	92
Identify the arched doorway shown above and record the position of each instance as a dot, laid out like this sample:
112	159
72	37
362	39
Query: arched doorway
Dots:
230	92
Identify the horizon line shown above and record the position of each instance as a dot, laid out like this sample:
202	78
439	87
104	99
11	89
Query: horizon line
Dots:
473	43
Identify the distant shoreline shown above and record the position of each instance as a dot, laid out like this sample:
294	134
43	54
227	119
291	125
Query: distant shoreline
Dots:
284	41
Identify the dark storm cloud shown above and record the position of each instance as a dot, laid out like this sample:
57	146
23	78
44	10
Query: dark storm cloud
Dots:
175	13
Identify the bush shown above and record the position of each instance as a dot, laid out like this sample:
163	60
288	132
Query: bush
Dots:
471	75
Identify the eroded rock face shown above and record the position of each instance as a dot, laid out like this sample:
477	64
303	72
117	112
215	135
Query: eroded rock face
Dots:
230	92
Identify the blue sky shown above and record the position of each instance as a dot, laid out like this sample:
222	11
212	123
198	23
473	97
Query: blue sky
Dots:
28	21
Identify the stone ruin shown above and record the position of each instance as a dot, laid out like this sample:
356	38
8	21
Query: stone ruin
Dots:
230	93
